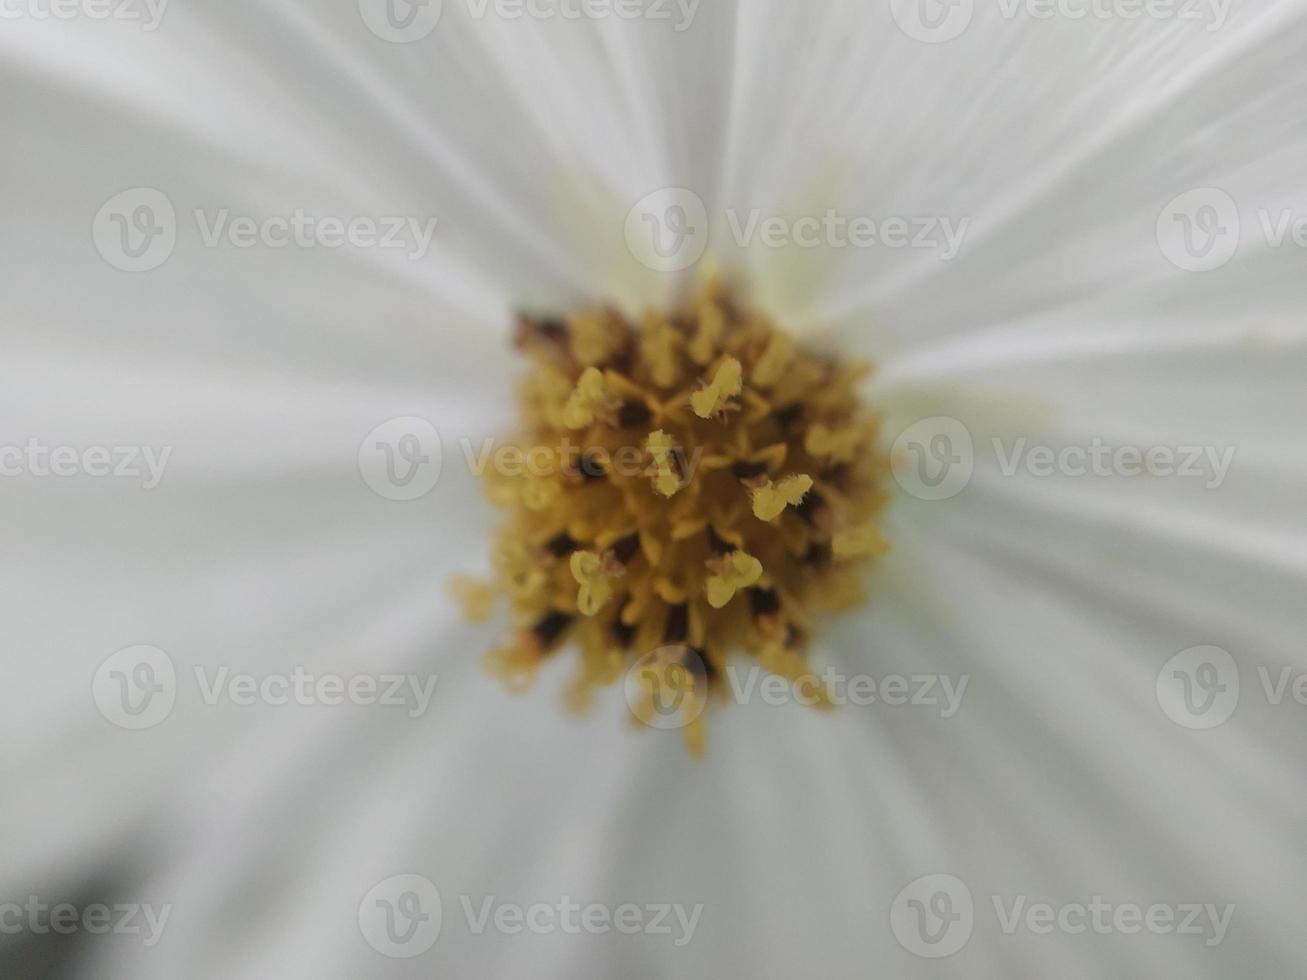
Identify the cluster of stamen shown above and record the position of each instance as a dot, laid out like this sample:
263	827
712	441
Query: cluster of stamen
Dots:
716	492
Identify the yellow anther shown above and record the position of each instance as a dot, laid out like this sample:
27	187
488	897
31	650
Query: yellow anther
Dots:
707	339
771	499
590	338
738	570
473	596
727	383
840	444
775	658
855	542
537	495
588	400
515	664
670	592
776	357
592	577
666	479
659	349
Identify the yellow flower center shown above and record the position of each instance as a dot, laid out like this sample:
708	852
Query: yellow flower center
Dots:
711	488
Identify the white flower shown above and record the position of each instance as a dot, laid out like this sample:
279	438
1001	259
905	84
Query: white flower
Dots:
241	238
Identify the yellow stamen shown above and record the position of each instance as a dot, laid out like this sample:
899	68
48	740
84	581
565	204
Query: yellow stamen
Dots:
592	577
738	570
591	339
771	499
666	480
856	542
475	598
726	384
839	444
588	400
774	360
712	324
659	348
659	525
